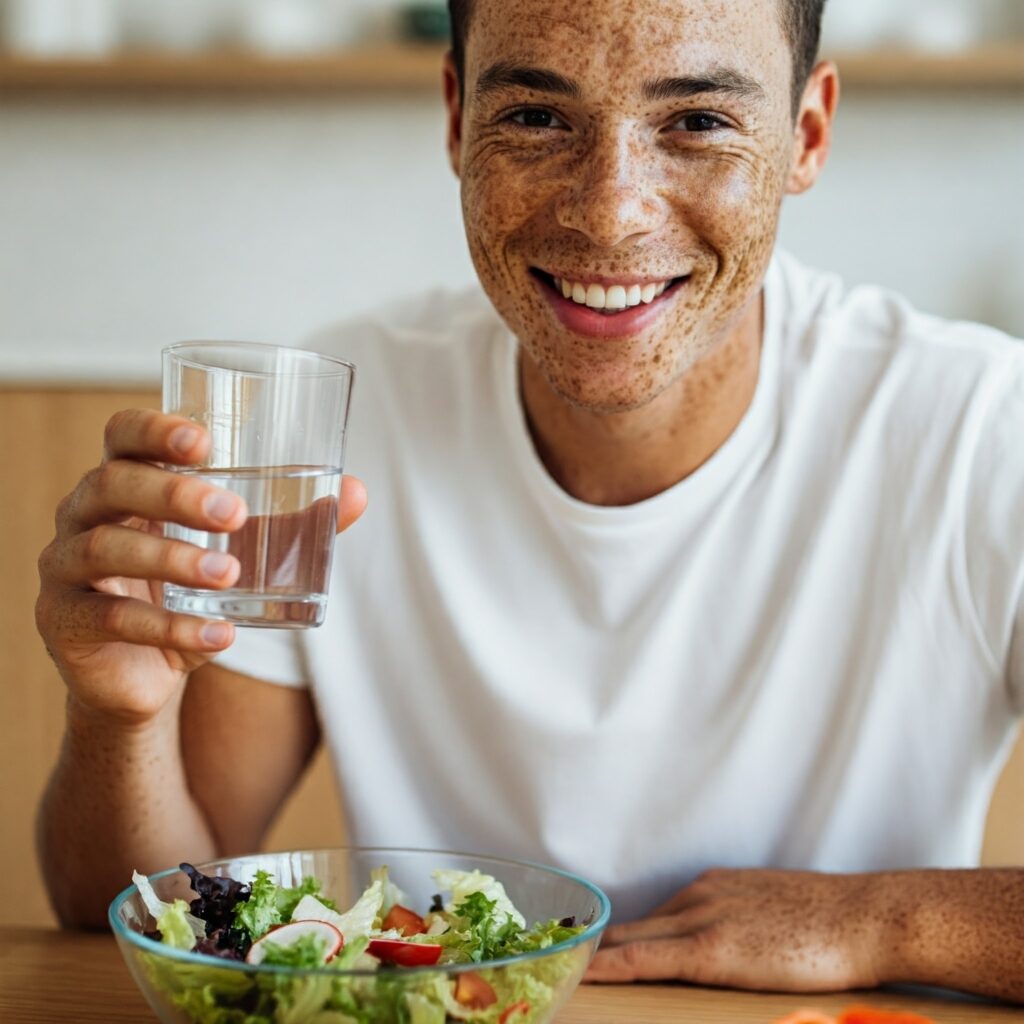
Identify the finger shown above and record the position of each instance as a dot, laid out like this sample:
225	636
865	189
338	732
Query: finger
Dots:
122	489
155	436
90	617
352	503
108	550
661	926
655	960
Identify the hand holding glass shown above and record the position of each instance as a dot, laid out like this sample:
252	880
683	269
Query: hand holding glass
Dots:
276	419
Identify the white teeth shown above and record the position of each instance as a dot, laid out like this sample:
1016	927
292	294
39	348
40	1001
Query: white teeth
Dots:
615	297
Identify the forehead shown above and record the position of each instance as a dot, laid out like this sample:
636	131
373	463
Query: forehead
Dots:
619	40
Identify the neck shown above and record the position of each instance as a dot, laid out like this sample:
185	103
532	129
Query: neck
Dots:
625	457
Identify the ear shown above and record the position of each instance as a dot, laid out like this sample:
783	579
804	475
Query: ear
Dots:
812	138
454	105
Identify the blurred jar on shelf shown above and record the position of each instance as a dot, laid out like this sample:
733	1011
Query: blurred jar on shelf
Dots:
950	26
177	25
292	27
943	26
61	28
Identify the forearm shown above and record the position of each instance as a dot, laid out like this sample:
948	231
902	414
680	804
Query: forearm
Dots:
117	800
956	929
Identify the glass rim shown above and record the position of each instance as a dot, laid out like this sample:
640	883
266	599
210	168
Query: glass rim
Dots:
153	947
335	367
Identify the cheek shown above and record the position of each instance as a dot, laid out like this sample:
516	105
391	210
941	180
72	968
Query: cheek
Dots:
498	195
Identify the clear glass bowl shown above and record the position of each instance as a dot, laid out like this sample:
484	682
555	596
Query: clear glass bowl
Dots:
189	988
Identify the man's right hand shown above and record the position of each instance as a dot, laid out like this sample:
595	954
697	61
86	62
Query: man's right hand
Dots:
98	611
99	607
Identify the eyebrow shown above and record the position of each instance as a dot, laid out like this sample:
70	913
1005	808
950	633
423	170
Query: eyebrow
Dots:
717	80
506	74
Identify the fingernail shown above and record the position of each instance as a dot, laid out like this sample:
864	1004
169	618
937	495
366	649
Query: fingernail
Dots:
182	439
215	565
220	506
215	634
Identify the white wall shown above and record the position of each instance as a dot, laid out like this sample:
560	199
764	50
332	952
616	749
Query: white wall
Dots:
127	223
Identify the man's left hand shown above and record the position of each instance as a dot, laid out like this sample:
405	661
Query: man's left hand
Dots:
755	929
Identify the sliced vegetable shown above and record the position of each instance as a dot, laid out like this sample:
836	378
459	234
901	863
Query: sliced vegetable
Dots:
869	1015
515	1010
474	992
404	920
357	921
328	938
405	954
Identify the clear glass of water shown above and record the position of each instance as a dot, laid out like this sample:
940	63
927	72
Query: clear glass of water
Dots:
277	418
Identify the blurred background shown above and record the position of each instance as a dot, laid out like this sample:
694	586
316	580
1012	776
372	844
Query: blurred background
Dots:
255	168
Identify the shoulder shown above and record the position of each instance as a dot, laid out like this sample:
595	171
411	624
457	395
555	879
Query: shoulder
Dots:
821	312
871	343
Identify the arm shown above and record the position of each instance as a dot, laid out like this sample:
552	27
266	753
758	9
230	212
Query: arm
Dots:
148	774
148	796
801	931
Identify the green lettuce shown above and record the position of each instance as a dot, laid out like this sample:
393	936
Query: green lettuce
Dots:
270	904
307	952
174	926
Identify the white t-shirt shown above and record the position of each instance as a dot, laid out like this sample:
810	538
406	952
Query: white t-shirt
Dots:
803	655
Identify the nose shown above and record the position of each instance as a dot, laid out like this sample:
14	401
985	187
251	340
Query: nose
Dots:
613	198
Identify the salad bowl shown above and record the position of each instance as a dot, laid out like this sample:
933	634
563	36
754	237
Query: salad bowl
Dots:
358	935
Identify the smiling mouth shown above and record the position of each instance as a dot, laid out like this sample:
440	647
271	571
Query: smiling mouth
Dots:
609	300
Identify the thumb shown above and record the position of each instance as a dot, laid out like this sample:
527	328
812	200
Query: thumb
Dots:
352	502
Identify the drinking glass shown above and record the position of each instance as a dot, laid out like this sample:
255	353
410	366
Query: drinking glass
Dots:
277	419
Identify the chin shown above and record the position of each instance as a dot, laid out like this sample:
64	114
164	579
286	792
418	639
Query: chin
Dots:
607	394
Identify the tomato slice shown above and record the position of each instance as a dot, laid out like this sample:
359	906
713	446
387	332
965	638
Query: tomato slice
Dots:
869	1015
405	954
473	992
521	1007
404	920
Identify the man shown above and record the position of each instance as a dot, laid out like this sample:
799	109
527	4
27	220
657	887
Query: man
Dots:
687	570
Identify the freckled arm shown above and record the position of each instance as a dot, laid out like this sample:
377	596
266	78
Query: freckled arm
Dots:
956	929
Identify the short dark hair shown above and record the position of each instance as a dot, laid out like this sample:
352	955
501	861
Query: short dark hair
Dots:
801	20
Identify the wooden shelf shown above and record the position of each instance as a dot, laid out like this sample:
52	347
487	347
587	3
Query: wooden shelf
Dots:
378	68
418	68
992	67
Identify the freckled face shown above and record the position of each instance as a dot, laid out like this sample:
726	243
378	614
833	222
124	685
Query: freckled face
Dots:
656	154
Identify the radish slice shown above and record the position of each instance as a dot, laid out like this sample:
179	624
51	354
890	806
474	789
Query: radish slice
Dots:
287	934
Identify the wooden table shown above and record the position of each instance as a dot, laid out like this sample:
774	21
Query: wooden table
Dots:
52	976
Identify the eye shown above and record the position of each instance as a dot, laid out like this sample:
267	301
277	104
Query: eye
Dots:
700	122
536	117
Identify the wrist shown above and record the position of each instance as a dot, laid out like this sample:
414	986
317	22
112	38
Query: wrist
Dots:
85	718
893	909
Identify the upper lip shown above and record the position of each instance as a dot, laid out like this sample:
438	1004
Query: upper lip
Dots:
624	280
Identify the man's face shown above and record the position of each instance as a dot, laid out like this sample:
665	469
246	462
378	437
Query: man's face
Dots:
630	153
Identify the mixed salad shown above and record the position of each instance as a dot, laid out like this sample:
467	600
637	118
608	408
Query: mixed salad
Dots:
264	923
